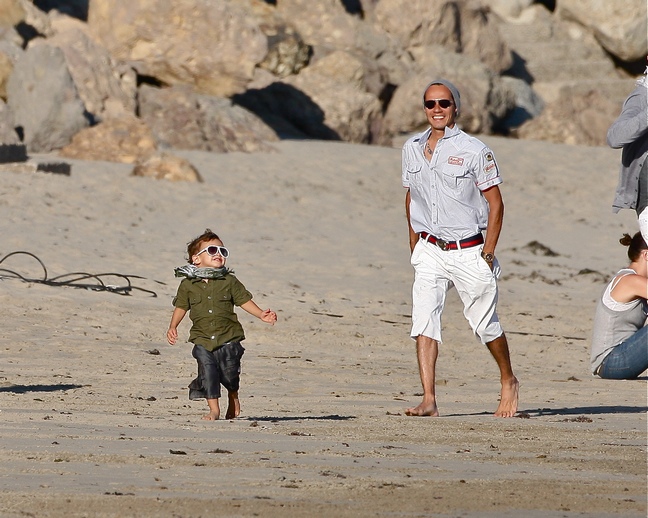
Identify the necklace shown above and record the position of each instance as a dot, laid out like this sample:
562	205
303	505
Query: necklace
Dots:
427	147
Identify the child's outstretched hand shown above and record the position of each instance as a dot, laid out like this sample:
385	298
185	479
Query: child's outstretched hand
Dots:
269	316
172	335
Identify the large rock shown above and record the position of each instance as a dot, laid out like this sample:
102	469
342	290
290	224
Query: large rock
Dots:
165	166
579	116
43	99
619	25
126	139
462	26
485	98
211	44
182	119
106	88
327	100
354	114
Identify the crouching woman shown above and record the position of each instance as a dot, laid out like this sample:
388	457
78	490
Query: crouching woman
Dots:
620	337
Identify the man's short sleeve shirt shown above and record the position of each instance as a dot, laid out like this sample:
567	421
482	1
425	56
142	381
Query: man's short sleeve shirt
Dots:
446	192
211	309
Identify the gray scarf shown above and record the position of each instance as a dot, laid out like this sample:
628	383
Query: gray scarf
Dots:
193	272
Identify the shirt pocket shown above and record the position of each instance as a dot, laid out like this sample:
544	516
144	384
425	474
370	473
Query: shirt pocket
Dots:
455	176
414	173
195	299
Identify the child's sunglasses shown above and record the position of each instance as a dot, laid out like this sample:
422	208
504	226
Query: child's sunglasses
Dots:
431	103
214	250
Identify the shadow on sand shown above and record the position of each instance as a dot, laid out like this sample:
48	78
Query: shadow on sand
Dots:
23	389
275	419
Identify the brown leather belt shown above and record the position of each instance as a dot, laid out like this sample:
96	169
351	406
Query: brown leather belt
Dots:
475	240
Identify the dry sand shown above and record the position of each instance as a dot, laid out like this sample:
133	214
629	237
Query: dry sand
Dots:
94	422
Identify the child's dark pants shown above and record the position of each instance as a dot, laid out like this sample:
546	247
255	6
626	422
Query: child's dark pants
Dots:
220	366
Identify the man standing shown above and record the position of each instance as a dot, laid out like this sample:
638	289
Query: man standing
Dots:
452	197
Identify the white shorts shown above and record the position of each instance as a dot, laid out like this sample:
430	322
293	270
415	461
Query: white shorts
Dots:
643	224
435	272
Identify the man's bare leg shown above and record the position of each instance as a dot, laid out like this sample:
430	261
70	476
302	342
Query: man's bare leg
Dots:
233	406
427	351
510	385
214	410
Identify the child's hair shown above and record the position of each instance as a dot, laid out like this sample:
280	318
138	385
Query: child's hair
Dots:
193	246
635	244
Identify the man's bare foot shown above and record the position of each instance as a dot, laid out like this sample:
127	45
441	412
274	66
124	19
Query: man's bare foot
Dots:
212	416
423	410
508	398
233	406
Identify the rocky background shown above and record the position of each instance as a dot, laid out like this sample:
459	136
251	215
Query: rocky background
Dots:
129	80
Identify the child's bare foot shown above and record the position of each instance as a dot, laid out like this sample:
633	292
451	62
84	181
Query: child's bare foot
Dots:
508	399
214	410
233	406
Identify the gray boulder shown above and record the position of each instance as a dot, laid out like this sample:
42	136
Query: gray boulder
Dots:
212	45
527	105
106	88
43	99
183	119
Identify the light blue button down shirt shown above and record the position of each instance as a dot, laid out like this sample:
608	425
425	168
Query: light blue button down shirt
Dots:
446	192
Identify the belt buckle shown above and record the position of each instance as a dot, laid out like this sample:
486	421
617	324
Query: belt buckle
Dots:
442	244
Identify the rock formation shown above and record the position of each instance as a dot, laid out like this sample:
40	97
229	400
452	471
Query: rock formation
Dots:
119	81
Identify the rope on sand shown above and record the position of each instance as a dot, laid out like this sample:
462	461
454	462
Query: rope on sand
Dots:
76	279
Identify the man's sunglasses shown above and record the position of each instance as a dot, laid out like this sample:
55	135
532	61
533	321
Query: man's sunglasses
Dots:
444	103
214	250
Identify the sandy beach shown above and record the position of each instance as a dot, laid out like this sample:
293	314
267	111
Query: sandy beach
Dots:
94	414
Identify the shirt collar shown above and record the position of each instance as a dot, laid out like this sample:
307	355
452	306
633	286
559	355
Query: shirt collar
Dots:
448	132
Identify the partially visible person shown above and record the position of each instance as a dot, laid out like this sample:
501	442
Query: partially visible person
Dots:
209	293
453	197
630	132
620	338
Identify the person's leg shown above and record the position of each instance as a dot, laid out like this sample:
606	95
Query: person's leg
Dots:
510	385
214	410
628	359
428	299
229	362
207	384
477	287
427	351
